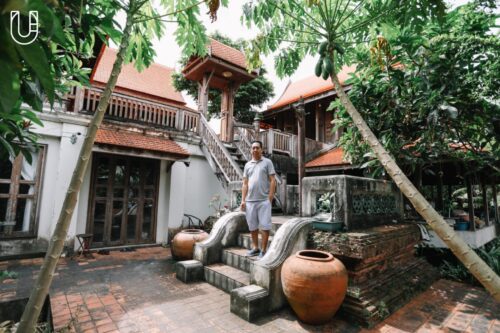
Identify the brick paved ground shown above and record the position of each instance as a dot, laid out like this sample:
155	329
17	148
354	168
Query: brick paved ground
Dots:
138	292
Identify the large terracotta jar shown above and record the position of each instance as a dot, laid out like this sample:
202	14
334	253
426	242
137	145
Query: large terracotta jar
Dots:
315	284
183	243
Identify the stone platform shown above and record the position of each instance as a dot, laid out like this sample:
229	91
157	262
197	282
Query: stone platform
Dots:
383	272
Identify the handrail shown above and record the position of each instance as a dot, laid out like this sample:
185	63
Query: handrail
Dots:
243	144
244	125
221	155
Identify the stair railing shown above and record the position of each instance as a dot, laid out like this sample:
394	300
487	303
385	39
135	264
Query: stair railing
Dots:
219	152
243	144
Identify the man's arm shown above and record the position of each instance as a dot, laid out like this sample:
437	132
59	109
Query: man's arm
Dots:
272	187
244	191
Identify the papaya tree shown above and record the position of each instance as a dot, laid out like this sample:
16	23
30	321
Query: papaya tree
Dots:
331	30
143	22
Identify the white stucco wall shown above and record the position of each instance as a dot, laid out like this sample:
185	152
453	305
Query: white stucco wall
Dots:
182	189
60	160
201	185
190	190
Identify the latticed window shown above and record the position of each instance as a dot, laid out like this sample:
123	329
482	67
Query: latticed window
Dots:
19	191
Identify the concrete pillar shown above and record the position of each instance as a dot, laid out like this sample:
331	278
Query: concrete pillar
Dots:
177	192
256	124
164	189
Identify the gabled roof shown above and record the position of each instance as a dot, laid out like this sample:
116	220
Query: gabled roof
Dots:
333	157
222	51
309	87
139	141
155	81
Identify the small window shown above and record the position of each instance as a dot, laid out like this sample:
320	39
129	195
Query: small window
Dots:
19	188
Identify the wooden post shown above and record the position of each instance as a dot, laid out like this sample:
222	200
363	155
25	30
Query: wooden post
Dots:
270	141
439	201
485	203
203	88
79	96
179	120
233	87
320	123
470	203
495	201
283	193
300	116
224	115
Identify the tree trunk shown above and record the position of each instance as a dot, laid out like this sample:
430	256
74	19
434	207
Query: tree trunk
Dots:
462	251
44	280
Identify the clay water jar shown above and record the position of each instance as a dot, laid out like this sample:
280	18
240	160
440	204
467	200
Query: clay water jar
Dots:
183	243
315	284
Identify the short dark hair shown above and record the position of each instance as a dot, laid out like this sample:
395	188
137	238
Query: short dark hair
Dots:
257	141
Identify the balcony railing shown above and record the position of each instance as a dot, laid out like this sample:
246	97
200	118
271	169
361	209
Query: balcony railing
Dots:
128	108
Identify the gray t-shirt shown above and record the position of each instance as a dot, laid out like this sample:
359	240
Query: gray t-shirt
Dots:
258	173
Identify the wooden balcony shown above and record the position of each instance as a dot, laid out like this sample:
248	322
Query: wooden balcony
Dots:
134	110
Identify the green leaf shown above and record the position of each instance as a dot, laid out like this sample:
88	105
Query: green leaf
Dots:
7	146
36	59
9	86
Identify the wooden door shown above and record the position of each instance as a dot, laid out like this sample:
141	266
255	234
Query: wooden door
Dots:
123	200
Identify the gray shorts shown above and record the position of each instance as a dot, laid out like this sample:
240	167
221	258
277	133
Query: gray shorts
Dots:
258	215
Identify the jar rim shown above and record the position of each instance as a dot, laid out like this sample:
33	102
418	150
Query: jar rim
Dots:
192	231
314	255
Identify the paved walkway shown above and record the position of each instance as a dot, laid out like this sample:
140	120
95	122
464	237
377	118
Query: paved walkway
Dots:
138	292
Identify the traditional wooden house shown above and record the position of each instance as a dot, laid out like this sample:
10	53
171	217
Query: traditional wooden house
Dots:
148	166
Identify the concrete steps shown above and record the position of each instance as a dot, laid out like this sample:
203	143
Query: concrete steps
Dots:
245	240
237	257
226	277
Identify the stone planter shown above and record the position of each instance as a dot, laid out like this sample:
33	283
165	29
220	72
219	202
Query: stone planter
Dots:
183	243
315	284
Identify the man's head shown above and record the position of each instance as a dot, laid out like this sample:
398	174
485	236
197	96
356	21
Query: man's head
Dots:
256	150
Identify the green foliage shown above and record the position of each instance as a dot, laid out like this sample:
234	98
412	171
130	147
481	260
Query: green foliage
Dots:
249	96
428	95
455	270
46	68
296	28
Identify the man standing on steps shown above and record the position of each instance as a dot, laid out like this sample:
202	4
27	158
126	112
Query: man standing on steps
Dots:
259	185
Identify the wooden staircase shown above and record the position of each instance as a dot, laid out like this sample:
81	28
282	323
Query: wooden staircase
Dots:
230	158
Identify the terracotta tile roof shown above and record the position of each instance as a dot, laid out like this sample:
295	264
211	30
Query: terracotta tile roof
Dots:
156	80
308	87
227	53
139	141
333	157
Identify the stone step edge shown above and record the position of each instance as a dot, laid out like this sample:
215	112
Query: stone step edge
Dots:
236	283
227	252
